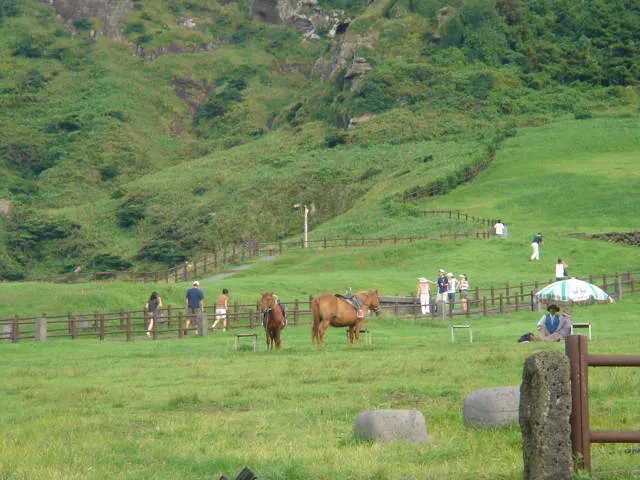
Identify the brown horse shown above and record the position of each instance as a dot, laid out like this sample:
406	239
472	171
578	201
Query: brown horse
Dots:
329	309
272	319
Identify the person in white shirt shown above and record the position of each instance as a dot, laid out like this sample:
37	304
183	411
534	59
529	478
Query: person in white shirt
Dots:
561	269
463	287
451	292
499	229
422	293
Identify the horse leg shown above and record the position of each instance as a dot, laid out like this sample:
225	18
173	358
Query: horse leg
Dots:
322	328
277	336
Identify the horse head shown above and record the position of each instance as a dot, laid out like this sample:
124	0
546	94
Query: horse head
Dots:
267	302
371	299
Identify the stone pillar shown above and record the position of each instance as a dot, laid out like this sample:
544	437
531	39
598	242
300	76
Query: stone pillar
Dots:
41	329
202	323
545	407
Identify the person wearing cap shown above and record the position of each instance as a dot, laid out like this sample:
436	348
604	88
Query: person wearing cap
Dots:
443	286
452	287
553	327
463	288
194	305
222	305
536	242
422	294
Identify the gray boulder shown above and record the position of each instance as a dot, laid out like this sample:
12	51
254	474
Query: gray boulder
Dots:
492	407
392	425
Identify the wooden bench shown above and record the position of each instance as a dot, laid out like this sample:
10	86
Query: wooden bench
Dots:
238	336
367	336
456	327
581	325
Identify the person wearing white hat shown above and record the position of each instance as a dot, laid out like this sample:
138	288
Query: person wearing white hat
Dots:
422	294
194	304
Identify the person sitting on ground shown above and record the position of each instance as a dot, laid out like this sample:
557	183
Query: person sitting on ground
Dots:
554	325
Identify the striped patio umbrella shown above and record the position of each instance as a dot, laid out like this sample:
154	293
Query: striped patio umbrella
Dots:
573	290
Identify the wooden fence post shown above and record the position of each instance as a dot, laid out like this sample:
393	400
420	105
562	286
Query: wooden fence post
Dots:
618	289
129	326
501	304
101	326
41	328
180	324
484	306
493	296
15	329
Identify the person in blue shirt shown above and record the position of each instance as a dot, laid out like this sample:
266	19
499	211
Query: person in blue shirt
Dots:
194	305
443	287
536	243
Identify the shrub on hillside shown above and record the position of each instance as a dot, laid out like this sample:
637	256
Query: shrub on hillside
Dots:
109	261
162	251
131	211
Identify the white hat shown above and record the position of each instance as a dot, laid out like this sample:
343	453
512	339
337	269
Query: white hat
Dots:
441	270
449	274
422	280
196	283
462	275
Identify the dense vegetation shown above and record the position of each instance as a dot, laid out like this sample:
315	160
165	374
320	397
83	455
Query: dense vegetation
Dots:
113	160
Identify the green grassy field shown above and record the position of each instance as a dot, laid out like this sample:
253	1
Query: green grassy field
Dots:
196	409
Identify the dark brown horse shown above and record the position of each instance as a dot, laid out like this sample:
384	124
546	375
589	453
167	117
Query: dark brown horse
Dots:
272	319
329	309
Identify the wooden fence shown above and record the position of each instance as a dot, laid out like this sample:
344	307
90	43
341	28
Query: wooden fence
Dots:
581	435
128	324
207	263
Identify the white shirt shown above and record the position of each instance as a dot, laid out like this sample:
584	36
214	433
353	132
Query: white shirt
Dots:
499	228
453	285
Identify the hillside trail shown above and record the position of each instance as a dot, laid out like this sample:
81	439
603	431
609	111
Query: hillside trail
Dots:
234	270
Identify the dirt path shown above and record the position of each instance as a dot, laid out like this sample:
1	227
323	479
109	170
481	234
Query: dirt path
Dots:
232	271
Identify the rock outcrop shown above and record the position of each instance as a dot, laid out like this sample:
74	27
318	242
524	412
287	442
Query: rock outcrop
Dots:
110	13
304	15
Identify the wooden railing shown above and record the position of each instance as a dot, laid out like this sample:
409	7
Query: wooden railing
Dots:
581	435
130	323
243	252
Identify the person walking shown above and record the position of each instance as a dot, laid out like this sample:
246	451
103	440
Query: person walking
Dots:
194	304
561	269
222	305
152	311
536	243
499	229
423	296
463	288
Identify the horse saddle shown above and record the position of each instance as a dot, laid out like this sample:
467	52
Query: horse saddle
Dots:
353	301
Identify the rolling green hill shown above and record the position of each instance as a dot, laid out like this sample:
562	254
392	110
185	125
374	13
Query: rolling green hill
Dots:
192	125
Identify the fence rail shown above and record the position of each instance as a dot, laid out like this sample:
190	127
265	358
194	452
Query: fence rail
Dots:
252	250
581	435
132	323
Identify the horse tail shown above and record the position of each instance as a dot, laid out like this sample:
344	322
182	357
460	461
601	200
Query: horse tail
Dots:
315	309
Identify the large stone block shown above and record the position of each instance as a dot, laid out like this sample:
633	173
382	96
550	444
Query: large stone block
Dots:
393	425
545	407
492	407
